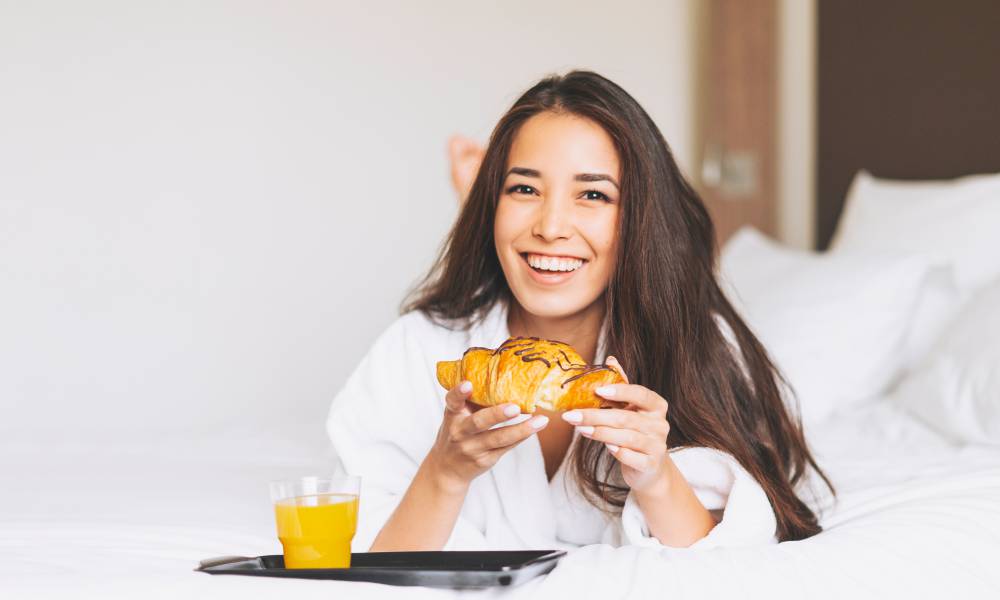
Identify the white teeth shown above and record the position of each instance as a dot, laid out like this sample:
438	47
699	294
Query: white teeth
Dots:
548	263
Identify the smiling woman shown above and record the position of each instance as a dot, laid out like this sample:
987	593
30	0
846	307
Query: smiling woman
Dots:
557	218
578	227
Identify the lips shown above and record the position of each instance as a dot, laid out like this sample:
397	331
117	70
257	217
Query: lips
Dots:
544	262
545	277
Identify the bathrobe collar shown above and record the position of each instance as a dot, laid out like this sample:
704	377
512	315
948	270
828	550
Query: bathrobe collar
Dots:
519	475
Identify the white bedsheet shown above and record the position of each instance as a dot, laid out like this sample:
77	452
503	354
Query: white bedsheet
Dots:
122	516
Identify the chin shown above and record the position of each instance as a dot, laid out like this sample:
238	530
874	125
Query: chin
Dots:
551	306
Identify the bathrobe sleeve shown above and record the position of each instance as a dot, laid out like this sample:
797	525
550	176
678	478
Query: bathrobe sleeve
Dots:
719	482
384	421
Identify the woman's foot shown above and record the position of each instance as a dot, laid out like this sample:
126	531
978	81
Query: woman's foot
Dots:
465	155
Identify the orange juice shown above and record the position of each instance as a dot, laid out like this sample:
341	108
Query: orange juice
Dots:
316	531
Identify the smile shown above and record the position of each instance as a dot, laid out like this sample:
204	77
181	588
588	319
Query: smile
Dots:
551	269
553	263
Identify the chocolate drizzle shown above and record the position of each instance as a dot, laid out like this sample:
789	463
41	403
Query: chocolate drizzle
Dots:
589	369
570	365
525	348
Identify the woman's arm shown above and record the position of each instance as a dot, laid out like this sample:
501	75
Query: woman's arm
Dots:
425	516
465	448
637	437
673	513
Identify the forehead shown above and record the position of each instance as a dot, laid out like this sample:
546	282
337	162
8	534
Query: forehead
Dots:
563	143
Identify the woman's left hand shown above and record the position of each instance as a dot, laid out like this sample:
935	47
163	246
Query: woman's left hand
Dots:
636	435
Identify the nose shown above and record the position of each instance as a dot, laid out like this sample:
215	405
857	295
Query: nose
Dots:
554	221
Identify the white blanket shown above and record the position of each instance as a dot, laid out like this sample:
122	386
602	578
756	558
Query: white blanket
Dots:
128	515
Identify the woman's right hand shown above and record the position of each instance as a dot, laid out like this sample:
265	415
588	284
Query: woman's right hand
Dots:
466	447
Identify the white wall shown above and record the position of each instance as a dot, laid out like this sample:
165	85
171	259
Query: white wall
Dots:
209	209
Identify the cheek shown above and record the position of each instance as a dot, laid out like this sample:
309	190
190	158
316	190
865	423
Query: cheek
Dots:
602	234
502	230
508	224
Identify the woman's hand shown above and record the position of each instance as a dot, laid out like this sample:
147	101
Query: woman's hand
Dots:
466	447
636	435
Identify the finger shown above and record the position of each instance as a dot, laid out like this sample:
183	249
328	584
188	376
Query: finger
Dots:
515	434
625	438
454	400
639	396
483	419
637	460
612	362
496	453
619	418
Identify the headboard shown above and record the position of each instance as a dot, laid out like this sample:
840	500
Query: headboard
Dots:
906	90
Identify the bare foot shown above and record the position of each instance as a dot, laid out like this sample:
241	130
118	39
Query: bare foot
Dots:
465	155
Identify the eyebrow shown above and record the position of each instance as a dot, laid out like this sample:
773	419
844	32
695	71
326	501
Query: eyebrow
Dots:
578	177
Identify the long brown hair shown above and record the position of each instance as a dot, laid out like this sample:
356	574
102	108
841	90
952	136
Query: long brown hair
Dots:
661	310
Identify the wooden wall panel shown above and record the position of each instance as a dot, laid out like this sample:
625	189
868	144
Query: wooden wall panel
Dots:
907	90
737	118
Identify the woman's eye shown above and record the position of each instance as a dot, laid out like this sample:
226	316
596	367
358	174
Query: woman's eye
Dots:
520	189
595	195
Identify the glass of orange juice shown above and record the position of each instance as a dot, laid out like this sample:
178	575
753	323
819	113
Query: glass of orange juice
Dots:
316	518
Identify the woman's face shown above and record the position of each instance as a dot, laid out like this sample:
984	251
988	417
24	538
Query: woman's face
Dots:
557	217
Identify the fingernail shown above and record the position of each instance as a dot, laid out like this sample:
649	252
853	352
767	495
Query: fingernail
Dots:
539	422
572	416
585	429
512	410
466	387
612	448
605	390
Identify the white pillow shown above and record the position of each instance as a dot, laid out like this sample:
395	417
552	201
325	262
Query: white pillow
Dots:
937	306
834	325
956	220
957	388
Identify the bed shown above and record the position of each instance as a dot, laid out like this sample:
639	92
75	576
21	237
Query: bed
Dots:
126	515
894	353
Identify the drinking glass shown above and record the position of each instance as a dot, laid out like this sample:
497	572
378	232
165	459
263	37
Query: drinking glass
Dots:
316	520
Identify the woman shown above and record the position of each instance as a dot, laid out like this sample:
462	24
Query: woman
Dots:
578	227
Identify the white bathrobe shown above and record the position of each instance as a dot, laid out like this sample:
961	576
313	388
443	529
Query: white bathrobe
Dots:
385	420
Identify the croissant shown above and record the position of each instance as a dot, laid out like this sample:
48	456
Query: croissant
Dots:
532	373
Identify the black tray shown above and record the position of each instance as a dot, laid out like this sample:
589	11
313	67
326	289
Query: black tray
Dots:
432	569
